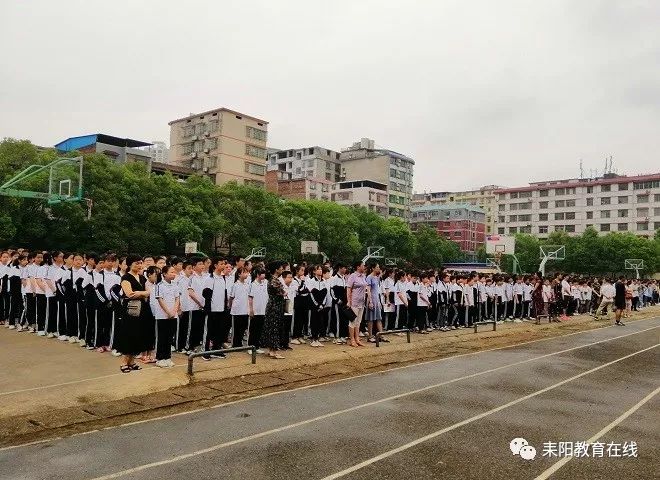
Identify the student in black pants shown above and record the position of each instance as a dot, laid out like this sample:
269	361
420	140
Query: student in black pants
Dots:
258	299
301	306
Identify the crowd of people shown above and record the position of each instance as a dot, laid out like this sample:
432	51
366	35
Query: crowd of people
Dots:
146	308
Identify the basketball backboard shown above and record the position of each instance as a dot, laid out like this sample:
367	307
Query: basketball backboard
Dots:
552	252
502	244
310	247
634	264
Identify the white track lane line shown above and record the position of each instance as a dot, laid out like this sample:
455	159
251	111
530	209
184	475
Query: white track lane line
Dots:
279	392
283	428
156	369
467	421
546	474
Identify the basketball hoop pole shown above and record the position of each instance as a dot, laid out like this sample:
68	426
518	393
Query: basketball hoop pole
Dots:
373	252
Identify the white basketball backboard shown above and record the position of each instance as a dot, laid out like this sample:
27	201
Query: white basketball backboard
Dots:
552	252
503	244
634	264
310	247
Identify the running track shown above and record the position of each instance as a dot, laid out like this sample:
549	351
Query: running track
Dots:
450	418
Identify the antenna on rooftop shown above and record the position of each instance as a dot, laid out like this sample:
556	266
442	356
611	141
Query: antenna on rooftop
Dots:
581	170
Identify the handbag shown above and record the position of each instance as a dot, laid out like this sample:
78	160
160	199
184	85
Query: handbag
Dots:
346	313
134	308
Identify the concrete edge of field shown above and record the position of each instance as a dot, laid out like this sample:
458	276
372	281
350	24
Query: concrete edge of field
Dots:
212	387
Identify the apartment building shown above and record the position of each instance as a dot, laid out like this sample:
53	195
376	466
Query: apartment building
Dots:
483	197
610	203
366	193
461	223
224	144
159	151
311	162
121	150
286	186
362	161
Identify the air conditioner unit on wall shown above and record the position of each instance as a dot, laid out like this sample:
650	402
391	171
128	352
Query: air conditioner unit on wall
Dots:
207	150
193	155
206	169
194	137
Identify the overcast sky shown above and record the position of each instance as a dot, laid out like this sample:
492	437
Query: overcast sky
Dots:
477	92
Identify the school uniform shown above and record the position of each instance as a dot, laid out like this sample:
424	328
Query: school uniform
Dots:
482	299
508	299
338	326
499	306
527	300
423	306
287	324
240	311
318	290
259	294
5	299
51	276
469	296
81	281
93	306
301	307
183	322
15	296
443	304
210	325
60	298
517	290
389	308
401	305
168	293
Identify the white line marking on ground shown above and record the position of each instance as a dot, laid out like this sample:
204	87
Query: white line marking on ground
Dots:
283	428
155	369
433	435
546	473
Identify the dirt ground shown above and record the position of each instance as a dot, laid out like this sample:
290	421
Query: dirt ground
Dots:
58	389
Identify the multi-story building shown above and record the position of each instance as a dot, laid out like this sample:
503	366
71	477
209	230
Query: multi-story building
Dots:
159	151
362	161
119	149
366	193
461	223
484	197
224	144
609	203
310	162
286	186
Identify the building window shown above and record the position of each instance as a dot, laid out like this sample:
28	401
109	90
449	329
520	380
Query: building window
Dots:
543	193
570	215
590	202
642	212
525	195
525	218
559	228
512	230
211	162
605	201
501	196
642	226
526	229
560	203
569	228
560	191
328	176
543	229
188	131
590	215
513	195
605	214
623	186
256	133
187	148
656	211
656	198
513	218
570	203
590	189
623	199
200	128
500	230
622	213
543	217
213	125
255	151
604	227
211	143
559	216
622	227
605	188
642	199
253	183
656	226
543	205
198	146
501	207
255	169
646	185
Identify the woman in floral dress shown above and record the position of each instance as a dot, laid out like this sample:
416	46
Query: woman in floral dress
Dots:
537	296
270	337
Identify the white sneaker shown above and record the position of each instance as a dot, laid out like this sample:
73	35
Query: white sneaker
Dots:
170	363
315	343
51	335
362	334
73	339
63	338
517	320
172	349
32	330
12	327
19	328
295	341
115	353
41	333
162	364
260	351
82	343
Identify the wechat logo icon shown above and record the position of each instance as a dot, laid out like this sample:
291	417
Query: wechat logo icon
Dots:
520	446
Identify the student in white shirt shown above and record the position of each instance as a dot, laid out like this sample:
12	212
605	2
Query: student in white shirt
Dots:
16	293
107	315
400	299
34	262
518	290
290	291
258	299
186	307
215	317
197	287
239	301
423	303
167	296
338	324
5	269
527	298
387	291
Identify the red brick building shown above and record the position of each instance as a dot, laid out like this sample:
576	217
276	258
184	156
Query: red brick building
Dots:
461	223
281	183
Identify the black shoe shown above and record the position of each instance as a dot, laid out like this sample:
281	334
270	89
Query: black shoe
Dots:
217	355
621	324
206	357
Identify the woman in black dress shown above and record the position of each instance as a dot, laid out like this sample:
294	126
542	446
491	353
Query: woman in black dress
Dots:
270	337
135	304
537	296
